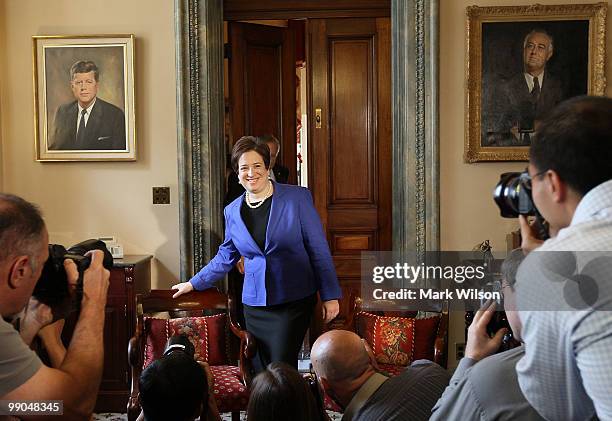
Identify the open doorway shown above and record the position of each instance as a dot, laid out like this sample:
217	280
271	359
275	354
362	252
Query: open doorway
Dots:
265	88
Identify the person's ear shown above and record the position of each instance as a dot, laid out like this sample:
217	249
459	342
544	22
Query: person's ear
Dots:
549	55
20	272
557	186
370	353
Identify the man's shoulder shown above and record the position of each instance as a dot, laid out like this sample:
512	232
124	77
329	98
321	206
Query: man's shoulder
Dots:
18	363
107	107
67	107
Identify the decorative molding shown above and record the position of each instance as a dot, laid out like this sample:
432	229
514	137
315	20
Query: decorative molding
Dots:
199	68
415	126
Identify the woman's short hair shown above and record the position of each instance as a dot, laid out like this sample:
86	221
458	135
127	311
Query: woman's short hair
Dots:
246	144
281	393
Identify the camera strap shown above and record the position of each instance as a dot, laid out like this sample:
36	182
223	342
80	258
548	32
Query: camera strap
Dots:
363	394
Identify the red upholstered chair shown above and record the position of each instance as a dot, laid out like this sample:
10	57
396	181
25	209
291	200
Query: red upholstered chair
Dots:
208	319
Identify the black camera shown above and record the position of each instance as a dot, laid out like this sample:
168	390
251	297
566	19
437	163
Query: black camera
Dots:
52	288
513	195
179	343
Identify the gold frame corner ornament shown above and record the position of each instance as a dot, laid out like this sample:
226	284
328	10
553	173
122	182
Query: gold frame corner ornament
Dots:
595	14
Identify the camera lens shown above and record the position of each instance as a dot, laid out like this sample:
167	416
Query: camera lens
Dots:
513	195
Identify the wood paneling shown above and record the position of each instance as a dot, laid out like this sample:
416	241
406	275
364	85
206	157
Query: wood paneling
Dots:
262	85
282	9
350	161
352	111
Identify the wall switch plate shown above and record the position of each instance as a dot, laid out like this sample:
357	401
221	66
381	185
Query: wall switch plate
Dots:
459	350
161	195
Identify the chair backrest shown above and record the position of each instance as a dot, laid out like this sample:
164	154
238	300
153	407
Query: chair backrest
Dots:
201	315
425	336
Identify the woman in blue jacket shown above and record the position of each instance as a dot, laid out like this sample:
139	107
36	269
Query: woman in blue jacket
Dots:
286	257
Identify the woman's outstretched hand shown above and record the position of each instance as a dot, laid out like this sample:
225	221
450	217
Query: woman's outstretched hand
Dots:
182	288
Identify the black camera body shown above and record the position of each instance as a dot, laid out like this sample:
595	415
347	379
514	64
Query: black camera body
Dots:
52	288
513	197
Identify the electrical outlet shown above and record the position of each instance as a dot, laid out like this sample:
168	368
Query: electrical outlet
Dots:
161	195
459	350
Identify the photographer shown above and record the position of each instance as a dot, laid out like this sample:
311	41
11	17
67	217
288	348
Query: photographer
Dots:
23	252
177	387
484	385
566	372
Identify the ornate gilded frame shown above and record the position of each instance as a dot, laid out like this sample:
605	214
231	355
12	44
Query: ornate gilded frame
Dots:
199	65
595	14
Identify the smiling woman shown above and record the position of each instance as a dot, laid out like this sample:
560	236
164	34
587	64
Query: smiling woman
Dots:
277	230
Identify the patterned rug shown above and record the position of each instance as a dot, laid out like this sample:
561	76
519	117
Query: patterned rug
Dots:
225	417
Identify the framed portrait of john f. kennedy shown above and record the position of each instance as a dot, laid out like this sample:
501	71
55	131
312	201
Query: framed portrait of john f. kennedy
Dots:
521	61
84	98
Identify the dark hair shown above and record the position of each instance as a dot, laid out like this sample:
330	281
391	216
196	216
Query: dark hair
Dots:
281	393
246	144
510	265
84	67
21	227
269	138
173	387
575	140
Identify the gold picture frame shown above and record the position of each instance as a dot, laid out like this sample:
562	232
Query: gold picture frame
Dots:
84	101
502	106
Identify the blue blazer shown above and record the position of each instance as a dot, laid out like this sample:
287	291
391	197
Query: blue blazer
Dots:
296	261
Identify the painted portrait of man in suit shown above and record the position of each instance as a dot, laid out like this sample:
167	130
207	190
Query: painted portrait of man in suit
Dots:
517	92
88	122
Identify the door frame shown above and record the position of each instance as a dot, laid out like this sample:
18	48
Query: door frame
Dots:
200	113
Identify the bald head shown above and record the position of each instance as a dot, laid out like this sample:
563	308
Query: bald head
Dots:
339	355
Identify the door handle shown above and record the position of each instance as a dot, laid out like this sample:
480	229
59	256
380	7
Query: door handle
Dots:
318	118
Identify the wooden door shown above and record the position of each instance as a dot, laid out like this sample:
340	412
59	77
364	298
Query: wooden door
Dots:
350	164
262	86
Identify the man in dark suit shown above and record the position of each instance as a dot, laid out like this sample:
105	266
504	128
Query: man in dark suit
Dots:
518	103
279	173
88	122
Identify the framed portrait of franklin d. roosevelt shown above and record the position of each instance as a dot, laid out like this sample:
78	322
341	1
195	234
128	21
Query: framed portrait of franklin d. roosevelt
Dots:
84	98
521	61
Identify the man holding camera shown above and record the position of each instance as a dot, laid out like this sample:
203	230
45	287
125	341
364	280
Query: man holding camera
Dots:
23	252
566	372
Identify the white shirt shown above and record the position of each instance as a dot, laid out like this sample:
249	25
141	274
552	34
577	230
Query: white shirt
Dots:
87	113
529	80
566	373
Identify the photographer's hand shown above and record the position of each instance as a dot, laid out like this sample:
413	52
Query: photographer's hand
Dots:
95	280
37	316
182	288
479	344
529	236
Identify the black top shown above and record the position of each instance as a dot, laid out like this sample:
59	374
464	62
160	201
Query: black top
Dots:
256	220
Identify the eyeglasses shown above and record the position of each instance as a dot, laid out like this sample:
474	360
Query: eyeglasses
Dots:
526	178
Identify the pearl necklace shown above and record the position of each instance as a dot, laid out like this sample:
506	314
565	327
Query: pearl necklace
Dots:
266	195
